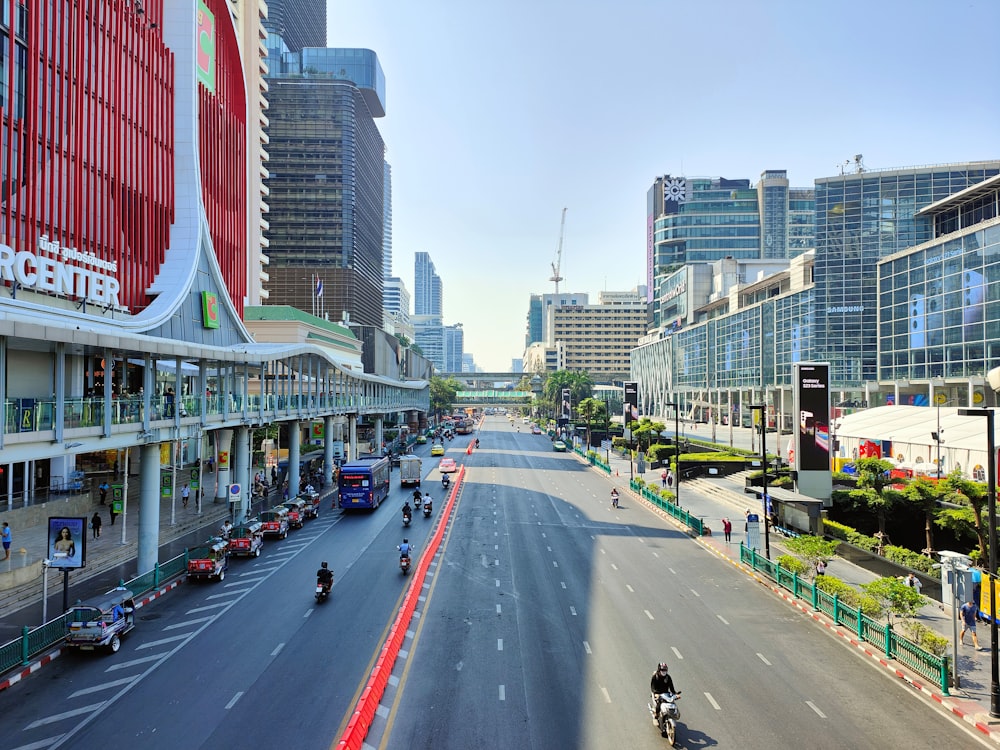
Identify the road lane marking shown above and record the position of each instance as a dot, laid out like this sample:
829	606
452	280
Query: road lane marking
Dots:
499	644
603	551
498	582
607	695
672	570
498	609
711	700
656	554
764	659
188	623
555	564
308	612
41	744
65	715
562	583
724	620
586	647
649	614
224	594
277	649
102	686
196	610
676	652
696	593
503	693
161	641
548	548
133	662
234	699
814	708
614	567
572	611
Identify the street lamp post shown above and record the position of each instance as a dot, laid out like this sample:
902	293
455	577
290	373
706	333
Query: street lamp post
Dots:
991	490
762	408
677	453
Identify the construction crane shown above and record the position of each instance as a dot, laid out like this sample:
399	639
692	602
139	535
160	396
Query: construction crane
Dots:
555	266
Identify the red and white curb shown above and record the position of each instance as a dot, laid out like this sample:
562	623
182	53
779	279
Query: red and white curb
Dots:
16	677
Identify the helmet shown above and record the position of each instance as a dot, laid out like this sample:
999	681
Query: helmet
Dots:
323	564
662	667
406	541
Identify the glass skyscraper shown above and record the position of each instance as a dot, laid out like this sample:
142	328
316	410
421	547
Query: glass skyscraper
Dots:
427	291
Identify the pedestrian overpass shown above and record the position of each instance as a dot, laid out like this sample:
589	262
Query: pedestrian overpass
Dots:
493	397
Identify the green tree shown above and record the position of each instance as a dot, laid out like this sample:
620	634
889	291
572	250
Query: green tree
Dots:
403	341
443	392
873	488
925	494
894	596
592	410
811	549
579	383
964	491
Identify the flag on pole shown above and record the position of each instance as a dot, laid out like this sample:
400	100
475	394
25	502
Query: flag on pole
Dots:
319	287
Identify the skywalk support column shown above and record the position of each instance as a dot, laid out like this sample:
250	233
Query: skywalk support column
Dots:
294	438
327	451
352	437
223	462
149	508
241	471
378	436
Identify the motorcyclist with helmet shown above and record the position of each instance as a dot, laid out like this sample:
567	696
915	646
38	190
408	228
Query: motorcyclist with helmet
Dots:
428	504
405	549
445	481
324	577
407	511
661	683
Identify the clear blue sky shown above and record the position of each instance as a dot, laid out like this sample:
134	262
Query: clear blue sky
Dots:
500	114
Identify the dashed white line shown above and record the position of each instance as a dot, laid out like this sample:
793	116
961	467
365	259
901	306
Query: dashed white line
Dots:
614	567
764	659
814	708
674	572
498	609
499	644
724	620
65	715
188	623
133	662
586	647
277	649
649	614
711	700
498	583
234	699
695	593
603	551
308	612
656	554
630	589
676	652
562	583
196	610
555	564
572	611
607	695
503	693
102	686
154	644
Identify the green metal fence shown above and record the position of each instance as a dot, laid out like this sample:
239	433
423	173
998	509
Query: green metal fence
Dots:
881	635
692	522
33	641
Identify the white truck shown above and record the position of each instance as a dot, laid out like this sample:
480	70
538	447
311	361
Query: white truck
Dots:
410	469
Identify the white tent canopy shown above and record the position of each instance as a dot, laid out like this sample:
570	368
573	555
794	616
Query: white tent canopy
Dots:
909	429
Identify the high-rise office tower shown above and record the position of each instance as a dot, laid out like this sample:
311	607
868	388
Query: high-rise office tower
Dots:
386	221
326	182
427	292
300	23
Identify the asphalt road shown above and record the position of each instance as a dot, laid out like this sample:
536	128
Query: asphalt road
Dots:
549	611
251	662
545	615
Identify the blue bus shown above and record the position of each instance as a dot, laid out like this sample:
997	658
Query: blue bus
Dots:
364	482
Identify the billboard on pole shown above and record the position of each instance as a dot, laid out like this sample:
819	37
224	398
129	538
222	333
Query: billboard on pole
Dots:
631	410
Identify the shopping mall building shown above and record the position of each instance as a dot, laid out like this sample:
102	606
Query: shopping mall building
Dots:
124	260
901	296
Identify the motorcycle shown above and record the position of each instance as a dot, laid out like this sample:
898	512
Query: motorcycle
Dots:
322	591
427	510
404	564
445	481
668	716
406	519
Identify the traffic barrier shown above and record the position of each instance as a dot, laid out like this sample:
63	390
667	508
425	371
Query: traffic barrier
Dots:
364	712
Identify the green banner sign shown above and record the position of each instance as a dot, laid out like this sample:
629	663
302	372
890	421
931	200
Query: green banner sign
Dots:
166	484
195	484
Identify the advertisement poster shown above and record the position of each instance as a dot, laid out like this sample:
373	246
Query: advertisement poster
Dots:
67	542
813	400
631	402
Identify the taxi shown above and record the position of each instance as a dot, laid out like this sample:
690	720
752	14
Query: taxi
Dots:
559	446
100	623
447	466
275	522
296	512
421	439
437	449
247	539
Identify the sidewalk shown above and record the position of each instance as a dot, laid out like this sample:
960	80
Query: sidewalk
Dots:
717	498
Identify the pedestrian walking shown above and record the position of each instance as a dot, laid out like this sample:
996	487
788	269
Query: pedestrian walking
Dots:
967	613
274	475
821	568
185	495
727	529
663	477
6	537
913	582
670	480
103	487
95	525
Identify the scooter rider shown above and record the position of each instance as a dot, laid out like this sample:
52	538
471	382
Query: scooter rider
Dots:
445	480
416	497
428	505
324	576
405	549
407	510
661	683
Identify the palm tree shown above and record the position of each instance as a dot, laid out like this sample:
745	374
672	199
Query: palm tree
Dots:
591	408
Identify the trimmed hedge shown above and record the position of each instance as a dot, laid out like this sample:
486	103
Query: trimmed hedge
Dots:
849	595
899	555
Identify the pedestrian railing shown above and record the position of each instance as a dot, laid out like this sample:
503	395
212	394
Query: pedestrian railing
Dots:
881	635
692	522
33	641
